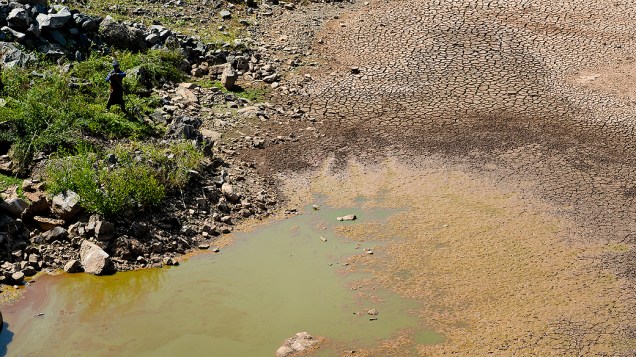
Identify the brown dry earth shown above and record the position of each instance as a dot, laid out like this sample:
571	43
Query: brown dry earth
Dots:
530	104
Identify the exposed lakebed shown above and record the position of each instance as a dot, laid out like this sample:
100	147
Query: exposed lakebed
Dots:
266	286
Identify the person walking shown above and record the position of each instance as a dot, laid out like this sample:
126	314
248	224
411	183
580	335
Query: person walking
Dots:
115	78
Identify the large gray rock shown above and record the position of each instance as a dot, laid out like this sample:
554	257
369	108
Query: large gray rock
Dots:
296	344
185	127
55	21
19	18
66	205
94	259
113	32
11	33
11	56
121	36
57	233
186	94
14	206
104	230
228	78
87	23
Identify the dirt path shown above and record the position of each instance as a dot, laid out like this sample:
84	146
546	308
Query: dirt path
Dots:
533	96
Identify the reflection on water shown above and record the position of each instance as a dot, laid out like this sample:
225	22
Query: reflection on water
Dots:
245	301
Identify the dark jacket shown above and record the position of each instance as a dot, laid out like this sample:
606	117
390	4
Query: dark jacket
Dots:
115	79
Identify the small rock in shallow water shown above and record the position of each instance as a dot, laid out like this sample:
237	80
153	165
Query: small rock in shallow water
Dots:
349	217
372	312
323	239
298	343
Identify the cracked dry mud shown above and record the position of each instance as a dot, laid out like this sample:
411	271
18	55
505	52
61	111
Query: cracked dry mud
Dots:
533	97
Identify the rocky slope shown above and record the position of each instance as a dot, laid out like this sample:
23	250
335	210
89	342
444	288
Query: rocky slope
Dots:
39	231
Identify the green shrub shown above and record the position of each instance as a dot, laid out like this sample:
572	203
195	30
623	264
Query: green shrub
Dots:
47	110
140	178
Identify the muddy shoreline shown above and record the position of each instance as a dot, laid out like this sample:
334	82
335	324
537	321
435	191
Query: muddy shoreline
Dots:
542	261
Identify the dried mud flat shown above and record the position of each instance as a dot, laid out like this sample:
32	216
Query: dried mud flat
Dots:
491	270
512	123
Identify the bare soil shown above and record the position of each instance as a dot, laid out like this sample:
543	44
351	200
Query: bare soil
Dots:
512	123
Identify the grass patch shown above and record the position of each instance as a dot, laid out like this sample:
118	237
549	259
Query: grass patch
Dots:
129	177
48	110
9	181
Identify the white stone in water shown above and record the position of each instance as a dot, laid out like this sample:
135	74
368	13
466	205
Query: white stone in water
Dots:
349	217
298	343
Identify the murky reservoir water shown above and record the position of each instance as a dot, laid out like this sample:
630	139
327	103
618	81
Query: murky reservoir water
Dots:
244	301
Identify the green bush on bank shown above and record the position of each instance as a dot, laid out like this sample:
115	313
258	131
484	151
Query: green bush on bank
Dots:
47	109
138	177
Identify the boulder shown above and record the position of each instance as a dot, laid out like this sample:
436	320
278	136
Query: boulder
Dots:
119	35
55	21
66	205
228	78
73	266
87	23
11	56
14	207
35	29
296	344
19	18
136	39
18	276
186	94
8	31
153	39
104	230
57	233
29	271
228	192
185	127
113	32
58	37
94	259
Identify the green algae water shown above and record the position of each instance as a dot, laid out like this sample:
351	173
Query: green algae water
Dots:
265	287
